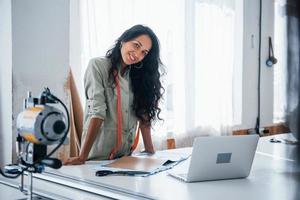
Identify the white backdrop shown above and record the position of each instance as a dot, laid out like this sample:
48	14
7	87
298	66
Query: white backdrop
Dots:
198	59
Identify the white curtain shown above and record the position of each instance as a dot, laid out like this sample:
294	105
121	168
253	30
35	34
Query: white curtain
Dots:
214	66
197	40
280	52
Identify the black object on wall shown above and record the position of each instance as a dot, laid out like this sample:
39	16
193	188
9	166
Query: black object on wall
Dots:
271	59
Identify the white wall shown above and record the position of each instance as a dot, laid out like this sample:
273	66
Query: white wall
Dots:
250	64
75	45
40	43
6	138
267	91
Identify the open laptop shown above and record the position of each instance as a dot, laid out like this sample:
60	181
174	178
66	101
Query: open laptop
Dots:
220	157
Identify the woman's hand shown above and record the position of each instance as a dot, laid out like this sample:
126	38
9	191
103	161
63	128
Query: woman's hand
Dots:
146	133
74	161
150	150
94	126
146	152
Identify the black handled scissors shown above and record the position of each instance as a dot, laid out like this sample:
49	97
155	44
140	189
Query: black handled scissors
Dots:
128	173
274	140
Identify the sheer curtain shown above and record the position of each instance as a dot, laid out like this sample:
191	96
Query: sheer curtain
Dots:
214	64
197	40
280	71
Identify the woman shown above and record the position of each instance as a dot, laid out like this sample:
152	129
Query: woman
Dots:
122	94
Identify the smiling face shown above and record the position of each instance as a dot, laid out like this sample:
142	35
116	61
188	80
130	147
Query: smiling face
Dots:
135	50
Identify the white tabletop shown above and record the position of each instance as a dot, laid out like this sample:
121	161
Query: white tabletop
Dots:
273	176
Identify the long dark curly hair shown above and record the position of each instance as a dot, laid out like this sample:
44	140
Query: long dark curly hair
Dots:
145	81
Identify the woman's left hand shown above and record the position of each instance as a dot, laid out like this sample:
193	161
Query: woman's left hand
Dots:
149	151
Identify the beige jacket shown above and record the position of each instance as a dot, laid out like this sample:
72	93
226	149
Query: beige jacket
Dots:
101	103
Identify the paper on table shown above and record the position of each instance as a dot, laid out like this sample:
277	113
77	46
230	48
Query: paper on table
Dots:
137	163
148	163
167	155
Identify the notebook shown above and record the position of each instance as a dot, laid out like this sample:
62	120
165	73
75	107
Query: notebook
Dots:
219	157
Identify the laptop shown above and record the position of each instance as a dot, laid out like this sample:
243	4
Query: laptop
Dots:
220	157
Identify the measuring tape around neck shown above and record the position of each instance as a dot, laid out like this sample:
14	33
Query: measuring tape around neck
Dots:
119	122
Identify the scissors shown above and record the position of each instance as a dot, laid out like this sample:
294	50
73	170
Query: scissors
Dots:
128	173
273	140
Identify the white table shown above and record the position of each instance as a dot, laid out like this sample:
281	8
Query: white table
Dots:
273	177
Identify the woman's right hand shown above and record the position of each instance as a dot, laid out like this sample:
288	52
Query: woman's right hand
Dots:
94	126
74	161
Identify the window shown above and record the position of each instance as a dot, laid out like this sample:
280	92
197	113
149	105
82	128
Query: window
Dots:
280	46
199	43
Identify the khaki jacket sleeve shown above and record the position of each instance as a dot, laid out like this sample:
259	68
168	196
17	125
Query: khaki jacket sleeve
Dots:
94	90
